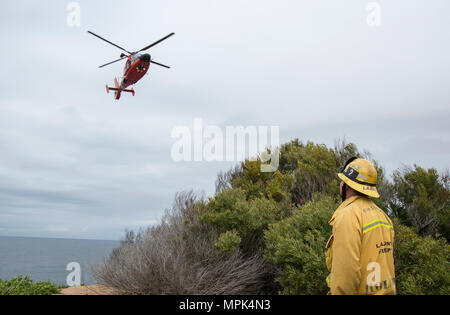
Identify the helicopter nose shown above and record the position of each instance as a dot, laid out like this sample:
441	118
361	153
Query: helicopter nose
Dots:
145	58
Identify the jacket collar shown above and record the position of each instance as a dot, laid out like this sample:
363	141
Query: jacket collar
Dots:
347	202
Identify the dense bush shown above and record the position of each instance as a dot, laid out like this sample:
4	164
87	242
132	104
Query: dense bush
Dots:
296	246
422	200
230	210
228	242
312	167
265	233
421	263
25	286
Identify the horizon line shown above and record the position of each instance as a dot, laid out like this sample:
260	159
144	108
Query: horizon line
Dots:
60	238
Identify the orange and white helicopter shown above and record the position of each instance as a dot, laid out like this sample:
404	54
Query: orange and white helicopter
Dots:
136	66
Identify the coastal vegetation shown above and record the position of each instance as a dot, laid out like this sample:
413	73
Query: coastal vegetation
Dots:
21	285
265	233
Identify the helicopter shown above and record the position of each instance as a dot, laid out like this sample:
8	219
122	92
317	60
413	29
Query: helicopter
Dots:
136	66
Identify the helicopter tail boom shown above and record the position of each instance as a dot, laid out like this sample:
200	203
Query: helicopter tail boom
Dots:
118	90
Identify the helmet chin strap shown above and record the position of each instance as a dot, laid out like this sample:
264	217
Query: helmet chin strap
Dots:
344	192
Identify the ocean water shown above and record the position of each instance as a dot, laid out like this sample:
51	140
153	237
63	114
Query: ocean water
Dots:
46	259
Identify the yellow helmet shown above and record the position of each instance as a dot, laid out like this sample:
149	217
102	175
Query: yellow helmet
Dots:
361	175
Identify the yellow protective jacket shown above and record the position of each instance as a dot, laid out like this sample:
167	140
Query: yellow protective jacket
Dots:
360	250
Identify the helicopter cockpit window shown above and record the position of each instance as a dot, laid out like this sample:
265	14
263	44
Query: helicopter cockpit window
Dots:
128	63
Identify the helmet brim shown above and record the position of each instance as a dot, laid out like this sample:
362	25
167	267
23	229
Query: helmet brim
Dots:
370	191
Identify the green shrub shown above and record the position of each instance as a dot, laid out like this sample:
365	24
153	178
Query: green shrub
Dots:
25	286
230	210
257	184
421	263
296	246
228	242
422	200
312	167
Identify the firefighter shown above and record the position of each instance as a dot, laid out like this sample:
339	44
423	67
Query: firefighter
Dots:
360	250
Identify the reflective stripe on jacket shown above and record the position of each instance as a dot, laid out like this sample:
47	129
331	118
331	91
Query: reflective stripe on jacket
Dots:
360	250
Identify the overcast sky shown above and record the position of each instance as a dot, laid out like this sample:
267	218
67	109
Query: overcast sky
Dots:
74	163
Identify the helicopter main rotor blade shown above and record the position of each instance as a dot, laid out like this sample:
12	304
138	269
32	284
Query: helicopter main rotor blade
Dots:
157	42
109	42
107	64
159	64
